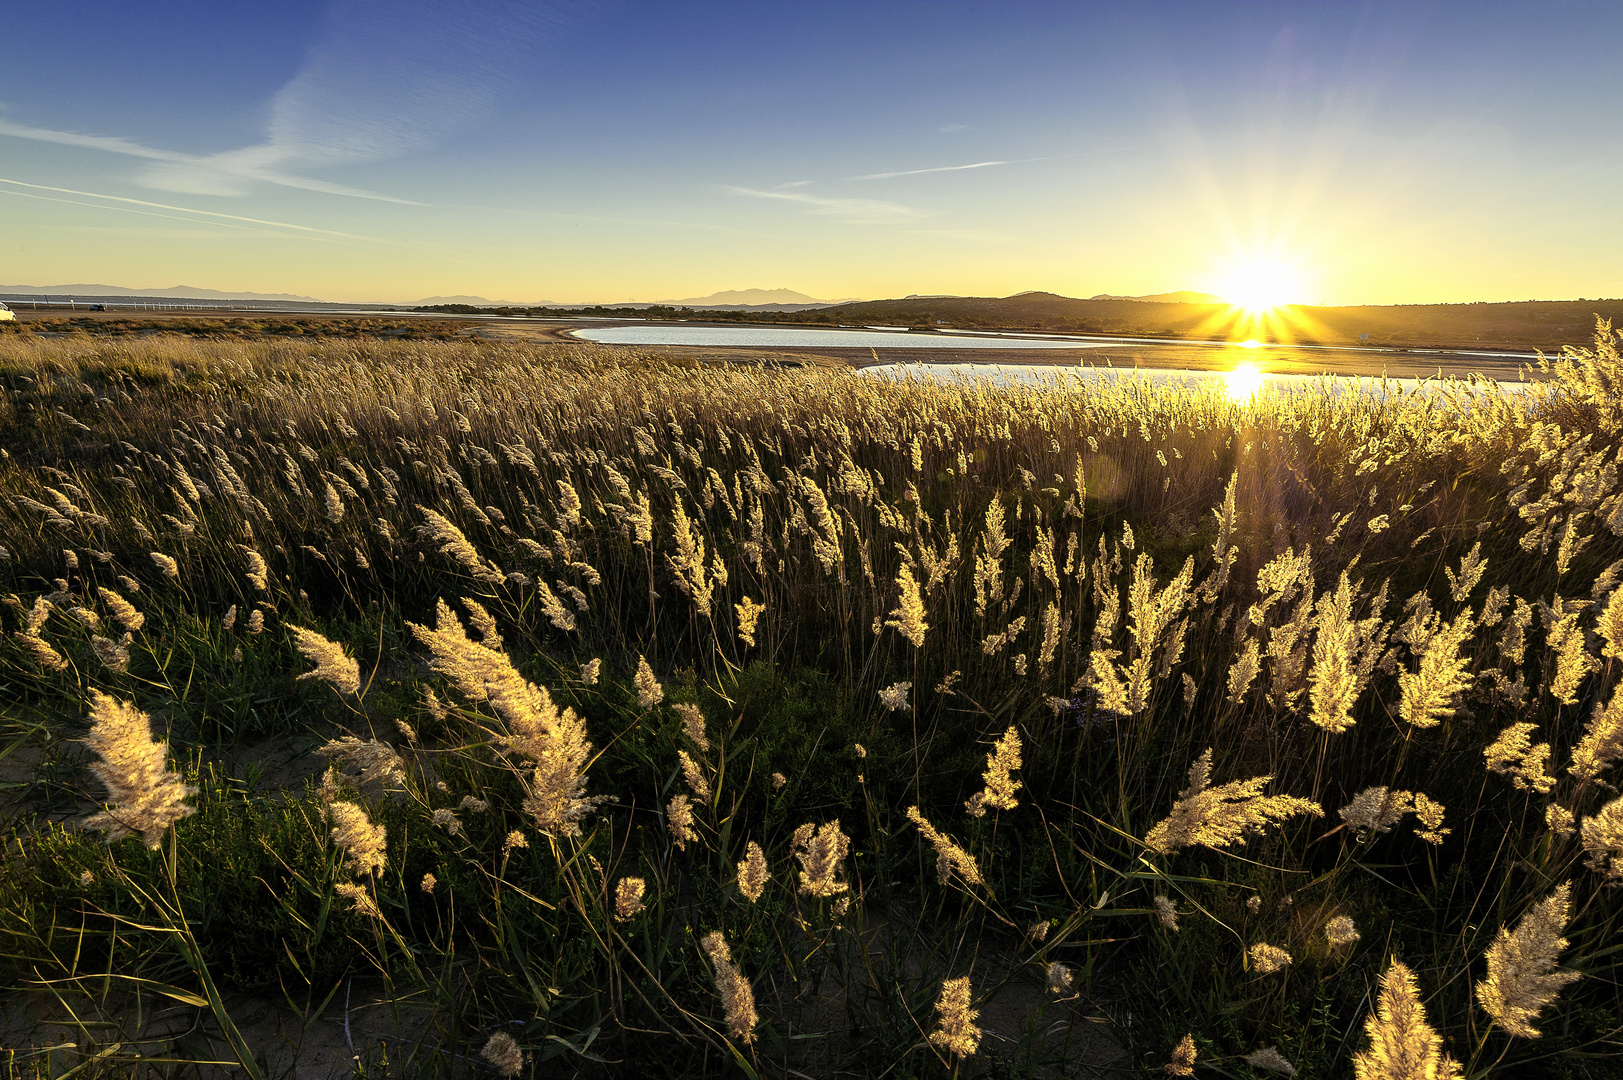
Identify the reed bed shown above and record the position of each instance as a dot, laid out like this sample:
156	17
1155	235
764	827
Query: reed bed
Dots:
682	720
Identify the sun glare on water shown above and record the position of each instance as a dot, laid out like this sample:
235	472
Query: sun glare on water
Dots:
1243	382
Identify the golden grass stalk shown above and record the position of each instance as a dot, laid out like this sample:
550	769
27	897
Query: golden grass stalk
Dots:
1522	980
333	665
908	618
1402	1044
950	858
1513	754
146	796
737	999
454	545
1602	743
694	776
360	900
1428	693
553	741
1333	679
1222	816
955	1031
114	655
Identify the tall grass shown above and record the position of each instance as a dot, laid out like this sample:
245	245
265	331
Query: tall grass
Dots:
684	719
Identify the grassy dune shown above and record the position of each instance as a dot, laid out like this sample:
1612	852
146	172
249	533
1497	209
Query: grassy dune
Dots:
661	720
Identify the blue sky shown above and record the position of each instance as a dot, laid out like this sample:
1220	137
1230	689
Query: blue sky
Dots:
608	149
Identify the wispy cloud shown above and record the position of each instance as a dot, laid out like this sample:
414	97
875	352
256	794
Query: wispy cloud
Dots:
381	81
856	211
213	174
921	172
128	205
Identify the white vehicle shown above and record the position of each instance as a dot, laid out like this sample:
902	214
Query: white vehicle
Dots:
6	315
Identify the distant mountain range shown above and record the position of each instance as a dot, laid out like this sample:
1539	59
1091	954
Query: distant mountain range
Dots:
178	292
1184	297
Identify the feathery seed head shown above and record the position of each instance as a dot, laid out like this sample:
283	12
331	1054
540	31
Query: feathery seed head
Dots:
895	697
589	672
377	761
1341	931
1167	912
1182	1060
363	842
1522	980
821	854
123	611
752	872
1270	1058
694	776
503	1054
950	858
679	820
956	1033
737	999
1223	816
1402	1044
693	725
166	564
146	796
628	896
1602	837
360	901
114	655
649	692
749	615
1268	959
332	663
1000	786
1058	977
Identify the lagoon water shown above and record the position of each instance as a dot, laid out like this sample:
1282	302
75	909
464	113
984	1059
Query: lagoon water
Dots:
1238	385
776	337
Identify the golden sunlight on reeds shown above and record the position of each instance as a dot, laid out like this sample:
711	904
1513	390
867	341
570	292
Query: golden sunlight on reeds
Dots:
599	712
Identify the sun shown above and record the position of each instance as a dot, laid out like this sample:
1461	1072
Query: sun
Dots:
1260	284
1243	382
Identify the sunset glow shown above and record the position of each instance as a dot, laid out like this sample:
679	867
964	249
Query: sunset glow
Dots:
1260	285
